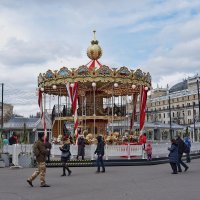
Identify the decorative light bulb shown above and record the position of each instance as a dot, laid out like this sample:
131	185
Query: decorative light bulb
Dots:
133	86
146	88
54	87
94	84
42	89
72	85
115	84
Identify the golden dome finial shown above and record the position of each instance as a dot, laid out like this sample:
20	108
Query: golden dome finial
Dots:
94	51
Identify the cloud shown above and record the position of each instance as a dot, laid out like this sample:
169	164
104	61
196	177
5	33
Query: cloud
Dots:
161	36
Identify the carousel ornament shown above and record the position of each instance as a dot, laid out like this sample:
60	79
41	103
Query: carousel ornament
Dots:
146	88
115	85
42	89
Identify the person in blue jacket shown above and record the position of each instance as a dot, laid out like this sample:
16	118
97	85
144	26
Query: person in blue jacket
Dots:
188	143
173	156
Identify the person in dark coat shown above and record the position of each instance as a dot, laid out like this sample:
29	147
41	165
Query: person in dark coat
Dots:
81	147
173	156
100	153
65	156
48	146
181	146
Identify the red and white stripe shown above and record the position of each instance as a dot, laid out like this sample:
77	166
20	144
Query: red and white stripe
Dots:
73	96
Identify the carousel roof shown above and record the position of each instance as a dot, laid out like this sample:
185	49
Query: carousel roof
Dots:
105	78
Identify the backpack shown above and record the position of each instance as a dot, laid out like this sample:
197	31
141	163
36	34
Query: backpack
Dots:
36	151
186	148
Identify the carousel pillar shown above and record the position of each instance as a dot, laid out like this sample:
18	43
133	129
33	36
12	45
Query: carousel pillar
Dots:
94	88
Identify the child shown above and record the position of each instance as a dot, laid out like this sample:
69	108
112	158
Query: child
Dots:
148	149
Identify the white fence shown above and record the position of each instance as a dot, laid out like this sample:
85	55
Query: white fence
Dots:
111	151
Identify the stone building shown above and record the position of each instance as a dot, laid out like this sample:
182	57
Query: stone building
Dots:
7	111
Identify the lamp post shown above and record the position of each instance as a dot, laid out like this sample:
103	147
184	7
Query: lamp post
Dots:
170	118
193	137
2	88
198	96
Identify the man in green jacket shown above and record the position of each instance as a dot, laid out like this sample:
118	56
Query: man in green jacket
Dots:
40	152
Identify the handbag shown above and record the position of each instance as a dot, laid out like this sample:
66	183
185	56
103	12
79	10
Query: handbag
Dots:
66	154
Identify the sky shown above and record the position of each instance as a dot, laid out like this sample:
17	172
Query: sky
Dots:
159	36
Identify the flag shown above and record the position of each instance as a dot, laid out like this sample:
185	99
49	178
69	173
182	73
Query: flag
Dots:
143	100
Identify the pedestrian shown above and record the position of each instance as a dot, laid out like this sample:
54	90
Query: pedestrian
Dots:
40	152
100	153
148	150
65	156
81	147
173	156
188	143
181	149
48	146
13	139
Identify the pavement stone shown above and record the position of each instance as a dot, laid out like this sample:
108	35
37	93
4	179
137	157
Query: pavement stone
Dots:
118	183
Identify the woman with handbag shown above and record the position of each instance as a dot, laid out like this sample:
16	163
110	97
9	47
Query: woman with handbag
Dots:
65	156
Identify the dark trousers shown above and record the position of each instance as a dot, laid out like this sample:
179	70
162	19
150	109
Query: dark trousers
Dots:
100	163
81	156
180	162
48	158
65	167
174	167
149	157
188	160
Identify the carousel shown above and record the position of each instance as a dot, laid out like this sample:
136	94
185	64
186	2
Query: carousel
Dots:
92	96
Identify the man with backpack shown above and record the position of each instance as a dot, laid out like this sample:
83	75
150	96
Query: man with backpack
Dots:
182	148
40	153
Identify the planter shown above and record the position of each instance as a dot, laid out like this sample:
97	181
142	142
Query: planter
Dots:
6	158
25	160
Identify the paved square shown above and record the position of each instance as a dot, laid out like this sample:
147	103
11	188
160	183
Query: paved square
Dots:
118	183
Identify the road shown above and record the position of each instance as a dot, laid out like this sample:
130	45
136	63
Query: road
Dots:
118	183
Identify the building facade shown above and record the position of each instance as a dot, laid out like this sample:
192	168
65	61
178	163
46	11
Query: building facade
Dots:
7	111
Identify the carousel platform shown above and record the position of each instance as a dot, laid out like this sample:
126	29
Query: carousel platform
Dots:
117	162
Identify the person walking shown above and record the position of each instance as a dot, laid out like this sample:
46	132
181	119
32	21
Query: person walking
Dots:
65	156
188	143
81	147
181	149
40	152
48	146
100	153
173	156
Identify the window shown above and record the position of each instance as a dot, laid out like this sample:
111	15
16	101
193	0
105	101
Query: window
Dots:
189	112
163	108
164	115
173	114
188	98
159	116
183	105
183	98
168	114
194	96
177	106
177	99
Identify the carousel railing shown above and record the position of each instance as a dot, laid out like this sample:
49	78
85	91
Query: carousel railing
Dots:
111	151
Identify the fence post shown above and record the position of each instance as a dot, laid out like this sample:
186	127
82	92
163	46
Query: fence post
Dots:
15	155
129	157
92	151
53	151
106	152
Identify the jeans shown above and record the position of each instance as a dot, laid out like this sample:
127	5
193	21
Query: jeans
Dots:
180	162
100	163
